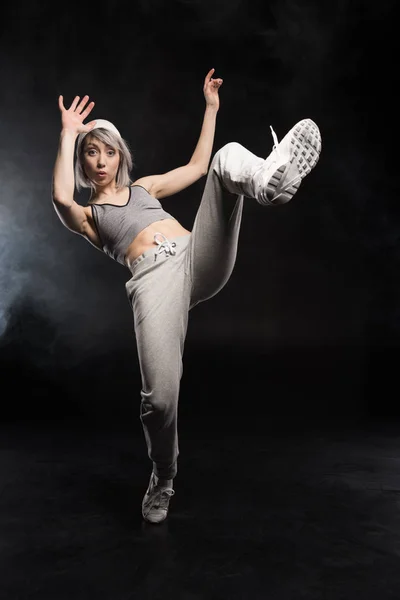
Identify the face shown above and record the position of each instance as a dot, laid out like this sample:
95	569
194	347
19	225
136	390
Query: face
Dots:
100	161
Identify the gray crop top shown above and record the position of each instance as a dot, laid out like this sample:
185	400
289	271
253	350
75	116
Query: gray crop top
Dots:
117	226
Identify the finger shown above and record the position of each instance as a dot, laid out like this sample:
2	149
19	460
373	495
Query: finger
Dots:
208	76
82	103
74	103
87	110
61	102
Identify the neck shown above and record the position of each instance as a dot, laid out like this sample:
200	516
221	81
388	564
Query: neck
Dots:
106	191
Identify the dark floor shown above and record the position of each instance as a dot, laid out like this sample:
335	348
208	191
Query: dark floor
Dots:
296	512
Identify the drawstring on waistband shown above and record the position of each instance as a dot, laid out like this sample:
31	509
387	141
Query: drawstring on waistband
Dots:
164	246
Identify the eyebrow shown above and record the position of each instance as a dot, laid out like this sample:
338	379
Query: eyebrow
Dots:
92	144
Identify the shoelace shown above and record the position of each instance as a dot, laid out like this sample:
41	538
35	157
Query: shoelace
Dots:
275	138
164	246
164	498
160	498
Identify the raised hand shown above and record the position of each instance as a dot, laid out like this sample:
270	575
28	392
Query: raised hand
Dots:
210	89
73	117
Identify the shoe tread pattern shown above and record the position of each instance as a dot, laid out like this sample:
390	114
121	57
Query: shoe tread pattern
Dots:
306	148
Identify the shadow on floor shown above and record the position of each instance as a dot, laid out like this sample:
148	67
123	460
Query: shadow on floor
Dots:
296	512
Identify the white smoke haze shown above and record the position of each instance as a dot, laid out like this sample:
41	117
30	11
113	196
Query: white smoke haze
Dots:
13	274
44	267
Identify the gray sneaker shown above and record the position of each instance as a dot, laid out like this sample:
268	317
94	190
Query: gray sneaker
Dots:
156	502
289	162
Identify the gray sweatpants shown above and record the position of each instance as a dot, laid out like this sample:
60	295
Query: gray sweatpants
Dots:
165	286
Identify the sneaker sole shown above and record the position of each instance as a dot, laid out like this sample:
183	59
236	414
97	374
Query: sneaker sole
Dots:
305	150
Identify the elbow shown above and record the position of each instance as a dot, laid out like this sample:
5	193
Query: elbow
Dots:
61	195
60	199
200	169
60	202
56	196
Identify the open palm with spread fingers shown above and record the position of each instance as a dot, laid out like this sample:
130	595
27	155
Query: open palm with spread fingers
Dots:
73	117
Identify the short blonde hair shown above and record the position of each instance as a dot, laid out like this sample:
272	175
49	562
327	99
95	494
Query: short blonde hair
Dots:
111	139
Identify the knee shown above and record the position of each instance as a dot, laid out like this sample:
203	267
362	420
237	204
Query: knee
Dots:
225	154
162	398
228	149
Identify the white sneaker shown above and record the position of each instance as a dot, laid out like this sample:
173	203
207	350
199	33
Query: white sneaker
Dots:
156	501
289	162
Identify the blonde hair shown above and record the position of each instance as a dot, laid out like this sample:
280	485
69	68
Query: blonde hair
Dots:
111	139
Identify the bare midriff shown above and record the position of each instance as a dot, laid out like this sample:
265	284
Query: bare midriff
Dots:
145	239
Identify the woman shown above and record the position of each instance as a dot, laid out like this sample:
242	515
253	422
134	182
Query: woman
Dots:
172	269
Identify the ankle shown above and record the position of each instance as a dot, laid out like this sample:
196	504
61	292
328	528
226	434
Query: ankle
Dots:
164	483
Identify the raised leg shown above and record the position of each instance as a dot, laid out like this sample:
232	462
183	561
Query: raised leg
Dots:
234	173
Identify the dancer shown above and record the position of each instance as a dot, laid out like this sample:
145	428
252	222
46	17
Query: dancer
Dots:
171	268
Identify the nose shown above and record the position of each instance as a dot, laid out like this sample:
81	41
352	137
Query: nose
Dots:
101	161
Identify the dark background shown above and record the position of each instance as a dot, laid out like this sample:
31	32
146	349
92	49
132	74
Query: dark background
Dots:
308	325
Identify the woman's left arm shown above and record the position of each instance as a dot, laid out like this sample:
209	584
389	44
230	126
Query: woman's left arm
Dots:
178	179
202	154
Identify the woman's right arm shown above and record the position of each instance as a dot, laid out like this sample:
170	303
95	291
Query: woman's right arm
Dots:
71	214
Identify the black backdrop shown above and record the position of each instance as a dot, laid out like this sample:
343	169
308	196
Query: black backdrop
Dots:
308	324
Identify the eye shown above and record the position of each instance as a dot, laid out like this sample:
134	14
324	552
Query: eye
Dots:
91	152
111	152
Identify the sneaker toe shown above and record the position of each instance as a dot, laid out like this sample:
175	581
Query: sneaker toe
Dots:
155	515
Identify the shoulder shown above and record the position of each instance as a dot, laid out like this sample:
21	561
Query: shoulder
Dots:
147	183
